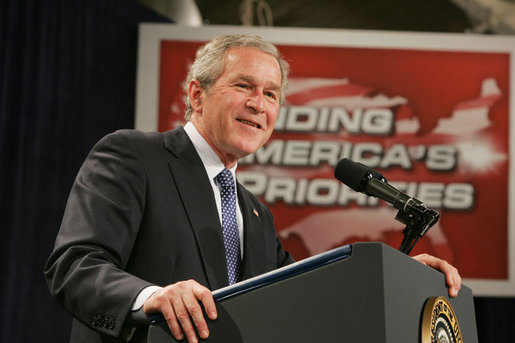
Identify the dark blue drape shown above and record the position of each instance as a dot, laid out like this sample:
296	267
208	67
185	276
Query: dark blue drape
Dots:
67	78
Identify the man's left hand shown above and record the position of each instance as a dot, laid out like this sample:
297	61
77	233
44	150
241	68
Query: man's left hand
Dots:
452	277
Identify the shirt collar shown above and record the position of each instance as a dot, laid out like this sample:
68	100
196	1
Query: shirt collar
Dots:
209	158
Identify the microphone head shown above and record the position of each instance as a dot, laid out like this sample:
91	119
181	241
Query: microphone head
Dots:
354	174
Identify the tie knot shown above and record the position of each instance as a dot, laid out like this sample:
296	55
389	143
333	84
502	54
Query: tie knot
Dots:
225	179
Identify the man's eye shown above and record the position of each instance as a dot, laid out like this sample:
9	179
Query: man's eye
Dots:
272	95
242	85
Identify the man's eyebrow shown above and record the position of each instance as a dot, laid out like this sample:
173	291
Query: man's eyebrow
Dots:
246	78
250	79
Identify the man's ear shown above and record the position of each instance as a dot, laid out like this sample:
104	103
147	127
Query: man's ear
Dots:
195	95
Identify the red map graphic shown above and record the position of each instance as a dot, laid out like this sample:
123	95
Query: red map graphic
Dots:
435	123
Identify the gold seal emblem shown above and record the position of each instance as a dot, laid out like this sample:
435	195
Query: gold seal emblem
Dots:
439	322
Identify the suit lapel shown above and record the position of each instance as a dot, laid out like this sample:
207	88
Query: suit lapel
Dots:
195	191
254	245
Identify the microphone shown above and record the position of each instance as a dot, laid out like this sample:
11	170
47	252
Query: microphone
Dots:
364	179
412	212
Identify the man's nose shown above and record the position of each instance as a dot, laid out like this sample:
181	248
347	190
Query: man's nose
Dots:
256	102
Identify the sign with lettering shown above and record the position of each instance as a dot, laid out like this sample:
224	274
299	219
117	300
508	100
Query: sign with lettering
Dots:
430	112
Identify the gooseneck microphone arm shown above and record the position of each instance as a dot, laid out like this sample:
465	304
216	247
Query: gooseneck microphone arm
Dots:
412	212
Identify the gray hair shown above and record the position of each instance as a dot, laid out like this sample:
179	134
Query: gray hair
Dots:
210	59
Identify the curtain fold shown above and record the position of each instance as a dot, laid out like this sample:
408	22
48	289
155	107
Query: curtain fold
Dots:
67	78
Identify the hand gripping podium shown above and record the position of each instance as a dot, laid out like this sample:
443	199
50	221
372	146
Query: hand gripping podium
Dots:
367	292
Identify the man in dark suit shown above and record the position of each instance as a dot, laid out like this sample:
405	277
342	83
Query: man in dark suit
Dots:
144	227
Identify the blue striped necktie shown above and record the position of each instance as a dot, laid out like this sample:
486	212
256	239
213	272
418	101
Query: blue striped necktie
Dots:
230	225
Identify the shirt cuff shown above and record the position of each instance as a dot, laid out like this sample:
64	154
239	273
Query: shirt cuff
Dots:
143	296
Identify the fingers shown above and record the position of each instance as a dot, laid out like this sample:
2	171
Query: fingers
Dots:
179	304
188	308
453	279
171	318
205	296
452	276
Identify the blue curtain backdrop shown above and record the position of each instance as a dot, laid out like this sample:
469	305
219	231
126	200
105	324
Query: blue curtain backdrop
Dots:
67	78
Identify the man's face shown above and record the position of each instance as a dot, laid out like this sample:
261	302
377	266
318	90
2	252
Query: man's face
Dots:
237	114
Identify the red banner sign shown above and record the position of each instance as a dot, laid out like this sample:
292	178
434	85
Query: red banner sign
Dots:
435	122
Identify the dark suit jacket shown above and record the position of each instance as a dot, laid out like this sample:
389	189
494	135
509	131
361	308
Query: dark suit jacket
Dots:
142	212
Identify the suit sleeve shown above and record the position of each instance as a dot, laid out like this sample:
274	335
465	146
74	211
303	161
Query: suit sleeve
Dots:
85	272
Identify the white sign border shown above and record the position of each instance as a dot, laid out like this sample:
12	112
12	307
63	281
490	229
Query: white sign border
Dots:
151	35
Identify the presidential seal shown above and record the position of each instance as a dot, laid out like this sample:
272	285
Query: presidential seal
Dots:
439	322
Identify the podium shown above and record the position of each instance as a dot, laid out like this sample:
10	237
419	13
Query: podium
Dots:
367	292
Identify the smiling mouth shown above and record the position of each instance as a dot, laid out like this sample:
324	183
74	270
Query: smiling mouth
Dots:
249	123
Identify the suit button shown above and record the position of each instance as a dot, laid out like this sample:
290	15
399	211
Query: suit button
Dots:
97	320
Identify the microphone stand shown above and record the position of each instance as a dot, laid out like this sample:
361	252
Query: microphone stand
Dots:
418	220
